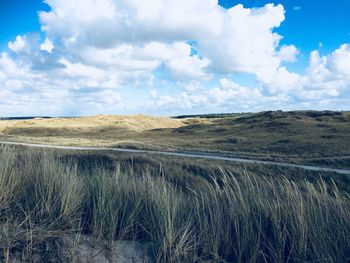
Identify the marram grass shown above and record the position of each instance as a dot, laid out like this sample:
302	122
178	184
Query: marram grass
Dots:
223	218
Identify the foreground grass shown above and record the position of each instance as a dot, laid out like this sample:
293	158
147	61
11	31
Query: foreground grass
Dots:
223	218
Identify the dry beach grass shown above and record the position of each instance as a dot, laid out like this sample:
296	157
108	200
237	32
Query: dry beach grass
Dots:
309	137
213	216
57	206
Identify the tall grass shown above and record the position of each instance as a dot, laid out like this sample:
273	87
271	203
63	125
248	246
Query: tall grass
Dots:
223	218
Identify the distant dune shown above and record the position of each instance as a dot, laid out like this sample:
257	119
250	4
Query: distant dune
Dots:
137	123
308	137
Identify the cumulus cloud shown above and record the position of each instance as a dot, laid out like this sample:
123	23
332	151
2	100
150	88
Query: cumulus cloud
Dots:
47	45
25	91
226	96
18	45
191	67
235	40
230	90
327	75
339	61
247	42
278	80
91	52
288	53
106	22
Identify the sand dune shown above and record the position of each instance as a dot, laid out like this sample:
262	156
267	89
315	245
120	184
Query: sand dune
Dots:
137	123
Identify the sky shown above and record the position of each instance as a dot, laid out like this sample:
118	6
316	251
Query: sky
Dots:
172	57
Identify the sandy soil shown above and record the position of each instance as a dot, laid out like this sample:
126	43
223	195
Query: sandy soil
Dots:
86	250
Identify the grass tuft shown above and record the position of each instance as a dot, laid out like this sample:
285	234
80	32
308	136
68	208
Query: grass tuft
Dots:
221	218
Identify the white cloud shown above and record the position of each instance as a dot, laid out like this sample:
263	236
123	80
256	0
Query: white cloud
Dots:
9	67
235	40
288	53
230	91
182	101
247	43
174	19
278	80
133	57
93	49
47	45
339	61
190	67
329	74
80	70
80	90
192	86
227	96
18	45
104	23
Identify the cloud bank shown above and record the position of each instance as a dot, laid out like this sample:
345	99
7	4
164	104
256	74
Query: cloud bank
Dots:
163	56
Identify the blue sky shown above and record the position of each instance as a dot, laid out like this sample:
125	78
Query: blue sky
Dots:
305	27
18	17
75	57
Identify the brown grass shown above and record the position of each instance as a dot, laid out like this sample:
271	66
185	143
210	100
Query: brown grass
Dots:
309	137
231	216
137	123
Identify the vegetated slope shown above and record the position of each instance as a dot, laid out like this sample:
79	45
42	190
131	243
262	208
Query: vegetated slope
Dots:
321	137
195	218
212	115
298	134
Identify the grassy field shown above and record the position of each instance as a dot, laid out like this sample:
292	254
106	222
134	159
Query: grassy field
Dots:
59	206
179	210
309	137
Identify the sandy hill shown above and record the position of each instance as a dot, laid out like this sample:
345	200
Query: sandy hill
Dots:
137	123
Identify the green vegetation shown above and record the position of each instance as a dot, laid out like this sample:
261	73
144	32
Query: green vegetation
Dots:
310	137
185	215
